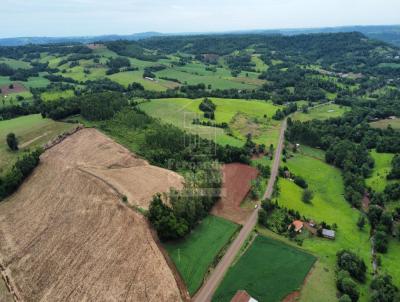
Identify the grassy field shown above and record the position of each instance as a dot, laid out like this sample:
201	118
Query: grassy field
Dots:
221	79
383	166
54	95
181	113
328	205
321	113
269	270
31	130
194	255
383	124
15	64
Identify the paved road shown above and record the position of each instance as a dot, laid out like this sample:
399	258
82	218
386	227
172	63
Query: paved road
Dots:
209	287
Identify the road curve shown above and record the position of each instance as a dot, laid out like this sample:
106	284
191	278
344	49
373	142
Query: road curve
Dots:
210	286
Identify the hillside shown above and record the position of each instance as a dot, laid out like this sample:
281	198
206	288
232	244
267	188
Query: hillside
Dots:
67	235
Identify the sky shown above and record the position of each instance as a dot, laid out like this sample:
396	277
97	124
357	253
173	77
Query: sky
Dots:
25	18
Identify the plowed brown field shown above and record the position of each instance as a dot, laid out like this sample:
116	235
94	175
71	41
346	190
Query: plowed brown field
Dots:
236	185
66	235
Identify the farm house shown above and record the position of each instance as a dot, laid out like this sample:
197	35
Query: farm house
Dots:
298	225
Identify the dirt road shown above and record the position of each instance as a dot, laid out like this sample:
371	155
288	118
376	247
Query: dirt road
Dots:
207	290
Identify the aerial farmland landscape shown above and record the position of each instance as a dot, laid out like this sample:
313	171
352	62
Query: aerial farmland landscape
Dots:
173	151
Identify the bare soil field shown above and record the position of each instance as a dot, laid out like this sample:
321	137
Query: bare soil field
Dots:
236	185
67	236
18	87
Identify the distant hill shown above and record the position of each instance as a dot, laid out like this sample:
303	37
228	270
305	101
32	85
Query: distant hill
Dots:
387	33
83	39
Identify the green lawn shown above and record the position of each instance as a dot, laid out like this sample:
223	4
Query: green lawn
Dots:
321	113
383	166
194	255
181	113
269	270
330	206
27	128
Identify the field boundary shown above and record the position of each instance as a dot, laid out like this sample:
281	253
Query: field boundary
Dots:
62	137
178	278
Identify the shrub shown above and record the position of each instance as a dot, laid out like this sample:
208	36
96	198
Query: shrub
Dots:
350	262
301	182
12	142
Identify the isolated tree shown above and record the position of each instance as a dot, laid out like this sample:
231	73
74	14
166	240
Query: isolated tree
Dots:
381	242
12	142
361	222
308	195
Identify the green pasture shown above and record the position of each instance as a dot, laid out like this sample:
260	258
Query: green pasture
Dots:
322	112
181	113
194	255
327	205
129	77
269	271
383	165
31	131
15	64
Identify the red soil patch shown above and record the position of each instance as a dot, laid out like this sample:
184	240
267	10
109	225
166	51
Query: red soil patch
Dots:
5	89
236	185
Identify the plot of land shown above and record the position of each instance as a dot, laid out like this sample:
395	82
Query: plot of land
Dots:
32	131
194	255
383	124
327	205
383	166
16	88
181	112
236	185
321	113
67	236
269	271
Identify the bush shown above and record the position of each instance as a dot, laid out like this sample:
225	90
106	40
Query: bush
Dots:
308	195
383	290
301	182
12	142
381	242
348	287
345	298
354	265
